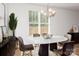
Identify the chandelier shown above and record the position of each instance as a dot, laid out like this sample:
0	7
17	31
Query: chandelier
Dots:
49	12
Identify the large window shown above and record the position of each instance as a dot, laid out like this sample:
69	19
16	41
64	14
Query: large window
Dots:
38	23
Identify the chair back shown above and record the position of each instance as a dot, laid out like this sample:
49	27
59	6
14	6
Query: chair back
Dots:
21	44
68	36
67	49
36	35
44	34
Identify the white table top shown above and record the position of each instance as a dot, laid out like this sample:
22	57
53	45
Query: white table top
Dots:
41	40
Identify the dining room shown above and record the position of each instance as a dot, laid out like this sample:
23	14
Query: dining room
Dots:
39	29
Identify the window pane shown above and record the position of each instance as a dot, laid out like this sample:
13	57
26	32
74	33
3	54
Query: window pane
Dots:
33	28
33	16
44	28
43	18
30	16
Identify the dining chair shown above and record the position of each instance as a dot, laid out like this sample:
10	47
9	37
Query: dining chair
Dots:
60	44
68	36
44	34
57	47
67	49
36	35
24	48
53	46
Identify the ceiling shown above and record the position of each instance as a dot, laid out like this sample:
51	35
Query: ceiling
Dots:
71	6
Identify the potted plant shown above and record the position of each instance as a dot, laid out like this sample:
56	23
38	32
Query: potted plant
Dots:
12	23
12	39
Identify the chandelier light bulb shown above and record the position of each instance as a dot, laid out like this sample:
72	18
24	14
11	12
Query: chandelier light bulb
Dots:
50	14
42	11
53	12
50	10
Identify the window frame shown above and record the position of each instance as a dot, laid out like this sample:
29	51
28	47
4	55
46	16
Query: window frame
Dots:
39	23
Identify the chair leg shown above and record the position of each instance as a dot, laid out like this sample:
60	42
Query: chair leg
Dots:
23	53
30	53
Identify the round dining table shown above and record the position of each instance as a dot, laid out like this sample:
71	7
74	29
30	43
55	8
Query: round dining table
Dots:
44	42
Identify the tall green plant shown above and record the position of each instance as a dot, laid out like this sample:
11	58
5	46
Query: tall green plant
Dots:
12	23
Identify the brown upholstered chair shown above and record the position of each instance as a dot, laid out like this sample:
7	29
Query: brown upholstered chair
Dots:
25	47
67	49
60	44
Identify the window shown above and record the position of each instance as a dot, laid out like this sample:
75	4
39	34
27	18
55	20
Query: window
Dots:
43	24
38	23
33	22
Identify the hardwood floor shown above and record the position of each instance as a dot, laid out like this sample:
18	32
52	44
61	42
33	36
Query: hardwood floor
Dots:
76	49
17	52
35	52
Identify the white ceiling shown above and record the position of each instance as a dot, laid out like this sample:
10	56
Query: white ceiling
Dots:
71	6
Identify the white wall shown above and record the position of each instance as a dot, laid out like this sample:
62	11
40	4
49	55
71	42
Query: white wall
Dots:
21	11
1	15
1	18
60	23
63	21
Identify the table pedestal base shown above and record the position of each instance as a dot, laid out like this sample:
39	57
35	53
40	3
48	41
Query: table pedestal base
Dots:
43	50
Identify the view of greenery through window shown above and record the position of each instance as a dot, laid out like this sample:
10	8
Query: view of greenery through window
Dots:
38	23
